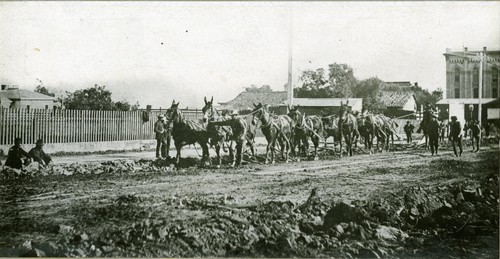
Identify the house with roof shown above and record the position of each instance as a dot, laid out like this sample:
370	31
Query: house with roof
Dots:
278	102
15	98
245	100
399	103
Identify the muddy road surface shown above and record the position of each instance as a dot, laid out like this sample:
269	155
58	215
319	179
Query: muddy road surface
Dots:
387	205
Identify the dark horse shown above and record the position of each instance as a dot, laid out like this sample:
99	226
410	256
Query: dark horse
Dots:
221	130
330	128
187	132
275	128
424	124
348	126
305	127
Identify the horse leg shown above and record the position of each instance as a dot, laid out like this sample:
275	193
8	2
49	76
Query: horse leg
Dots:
238	154
268	148
178	155
316	144
217	150
273	146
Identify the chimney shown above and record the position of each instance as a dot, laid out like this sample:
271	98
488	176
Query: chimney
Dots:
484	48
416	84
448	50
4	87
465	48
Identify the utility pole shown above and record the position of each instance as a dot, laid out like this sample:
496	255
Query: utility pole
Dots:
290	84
481	67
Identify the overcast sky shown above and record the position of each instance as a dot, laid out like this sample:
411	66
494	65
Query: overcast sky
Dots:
154	52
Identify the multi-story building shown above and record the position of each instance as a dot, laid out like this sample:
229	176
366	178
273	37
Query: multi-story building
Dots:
463	84
462	73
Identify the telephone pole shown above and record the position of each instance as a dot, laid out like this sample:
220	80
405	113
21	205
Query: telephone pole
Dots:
290	84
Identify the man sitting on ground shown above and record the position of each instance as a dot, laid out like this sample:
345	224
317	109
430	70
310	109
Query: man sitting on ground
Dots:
16	155
39	155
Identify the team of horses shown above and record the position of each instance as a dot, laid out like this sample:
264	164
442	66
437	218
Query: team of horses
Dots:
290	133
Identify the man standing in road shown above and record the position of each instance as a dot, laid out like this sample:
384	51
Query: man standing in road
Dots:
476	135
408	128
433	129
159	129
455	135
39	155
16	155
167	133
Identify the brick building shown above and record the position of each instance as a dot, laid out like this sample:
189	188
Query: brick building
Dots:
462	73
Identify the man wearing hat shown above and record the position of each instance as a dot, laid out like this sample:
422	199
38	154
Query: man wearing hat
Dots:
433	130
455	135
159	129
16	155
408	128
39	155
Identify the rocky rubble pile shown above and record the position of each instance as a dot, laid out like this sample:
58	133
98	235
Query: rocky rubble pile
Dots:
109	167
381	228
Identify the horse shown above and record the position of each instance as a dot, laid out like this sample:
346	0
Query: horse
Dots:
330	128
348	126
423	126
369	127
217	135
187	132
390	129
221	130
306	127
275	128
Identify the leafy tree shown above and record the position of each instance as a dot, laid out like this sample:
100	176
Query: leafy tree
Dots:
313	84
43	90
341	80
122	106
256	89
423	96
40	88
369	89
437	94
93	98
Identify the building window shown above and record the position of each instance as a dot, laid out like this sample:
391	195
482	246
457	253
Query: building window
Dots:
475	93
475	82
494	83
456	83
457	77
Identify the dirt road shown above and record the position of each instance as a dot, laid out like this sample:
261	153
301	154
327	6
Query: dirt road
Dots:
36	208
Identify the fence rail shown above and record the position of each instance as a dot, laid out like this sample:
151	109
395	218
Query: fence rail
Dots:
67	126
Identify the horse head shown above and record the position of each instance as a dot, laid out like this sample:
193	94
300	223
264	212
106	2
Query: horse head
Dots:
173	113
257	113
208	110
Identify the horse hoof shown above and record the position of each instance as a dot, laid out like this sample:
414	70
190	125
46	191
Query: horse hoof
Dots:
218	166
316	158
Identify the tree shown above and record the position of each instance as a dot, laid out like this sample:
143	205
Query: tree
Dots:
93	98
122	106
339	83
262	89
437	94
423	96
341	80
313	84
43	90
40	88
369	90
